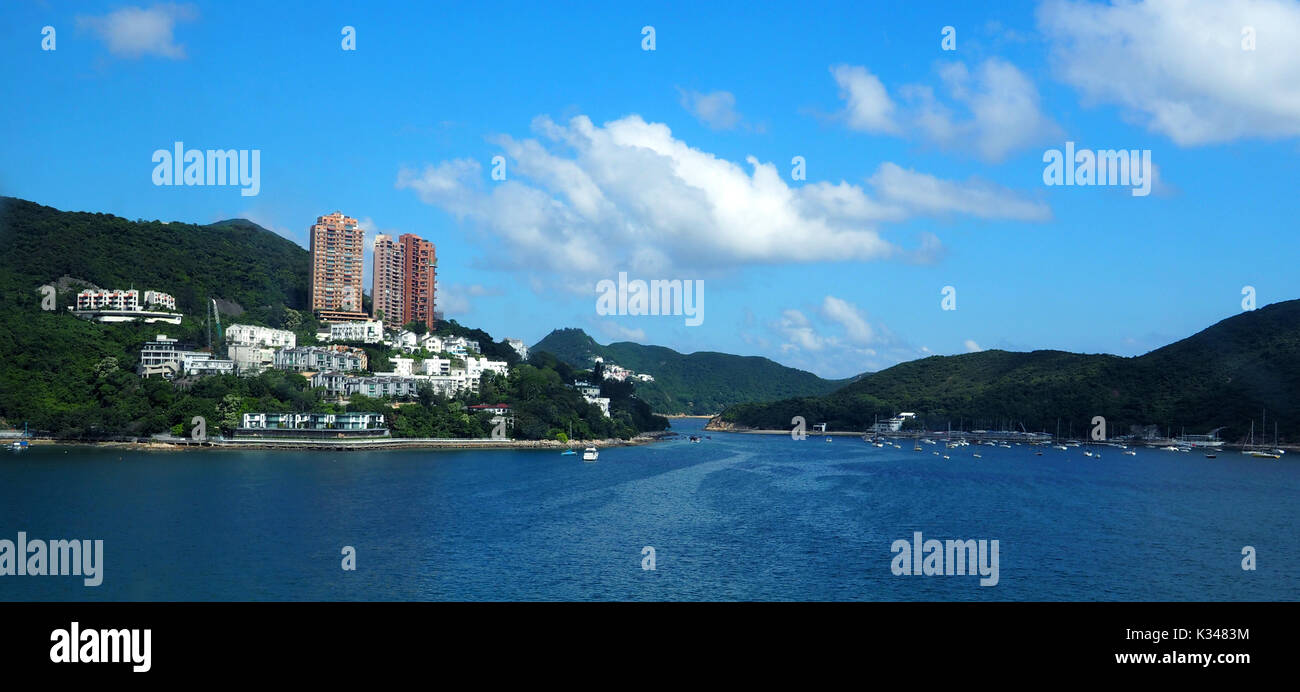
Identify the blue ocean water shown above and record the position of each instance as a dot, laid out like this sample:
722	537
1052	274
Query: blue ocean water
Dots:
736	517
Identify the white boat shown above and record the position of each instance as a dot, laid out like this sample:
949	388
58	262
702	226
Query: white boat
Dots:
1131	453
590	454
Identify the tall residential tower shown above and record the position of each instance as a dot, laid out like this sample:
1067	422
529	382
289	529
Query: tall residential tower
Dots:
386	281
404	275
421	261
337	244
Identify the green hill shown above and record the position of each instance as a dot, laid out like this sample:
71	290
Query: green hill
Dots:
236	260
700	383
1223	376
75	378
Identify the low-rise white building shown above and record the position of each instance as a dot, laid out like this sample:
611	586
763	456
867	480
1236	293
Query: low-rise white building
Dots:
124	306
405	340
601	401
367	331
163	356
318	359
475	367
254	335
519	347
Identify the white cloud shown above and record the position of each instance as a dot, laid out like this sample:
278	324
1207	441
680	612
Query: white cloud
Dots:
798	332
583	199
132	32
1179	67
867	106
454	300
840	342
716	109
924	193
615	330
1004	114
971	346
847	315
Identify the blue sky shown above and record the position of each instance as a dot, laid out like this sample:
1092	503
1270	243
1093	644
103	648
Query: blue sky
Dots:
924	167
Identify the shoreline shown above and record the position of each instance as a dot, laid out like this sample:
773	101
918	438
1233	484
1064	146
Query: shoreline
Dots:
939	436
380	444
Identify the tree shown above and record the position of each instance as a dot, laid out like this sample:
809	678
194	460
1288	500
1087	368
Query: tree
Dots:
417	327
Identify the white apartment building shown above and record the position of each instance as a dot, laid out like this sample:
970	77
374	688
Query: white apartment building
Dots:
367	331
405	340
250	360
200	363
163	356
319	359
253	335
475	367
519	347
601	401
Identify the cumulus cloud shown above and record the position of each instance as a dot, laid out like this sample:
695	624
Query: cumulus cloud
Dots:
456	299
867	106
798	332
927	194
133	32
584	198
716	109
837	339
971	346
850	318
1179	67
990	112
614	330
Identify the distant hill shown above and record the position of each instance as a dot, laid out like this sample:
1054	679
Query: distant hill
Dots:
1223	376
235	260
700	383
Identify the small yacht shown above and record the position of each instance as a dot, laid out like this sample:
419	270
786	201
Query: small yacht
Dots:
1131	453
590	454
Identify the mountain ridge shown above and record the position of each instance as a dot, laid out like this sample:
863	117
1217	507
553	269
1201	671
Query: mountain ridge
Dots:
1224	375
701	382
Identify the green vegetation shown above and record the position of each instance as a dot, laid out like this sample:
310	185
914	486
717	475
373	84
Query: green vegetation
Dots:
1223	376
699	383
76	379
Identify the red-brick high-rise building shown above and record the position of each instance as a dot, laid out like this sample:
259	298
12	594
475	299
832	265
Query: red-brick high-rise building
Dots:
420	263
337	245
387	288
